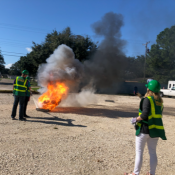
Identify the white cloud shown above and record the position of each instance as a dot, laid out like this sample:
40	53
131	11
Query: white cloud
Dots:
28	49
8	66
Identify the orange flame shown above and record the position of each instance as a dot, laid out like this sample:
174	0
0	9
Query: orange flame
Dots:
53	96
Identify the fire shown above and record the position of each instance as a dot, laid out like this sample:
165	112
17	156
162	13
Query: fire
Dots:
53	96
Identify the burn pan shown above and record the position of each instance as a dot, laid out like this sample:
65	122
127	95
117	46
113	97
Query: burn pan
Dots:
42	110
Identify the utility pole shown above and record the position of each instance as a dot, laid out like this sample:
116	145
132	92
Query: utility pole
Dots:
145	56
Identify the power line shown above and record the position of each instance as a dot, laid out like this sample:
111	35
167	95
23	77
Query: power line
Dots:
132	41
11	40
14	44
11	55
28	29
25	30
19	26
13	52
1	41
18	46
22	44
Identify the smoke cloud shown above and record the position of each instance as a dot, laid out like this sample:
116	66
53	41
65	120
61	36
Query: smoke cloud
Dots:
62	66
85	97
101	71
107	65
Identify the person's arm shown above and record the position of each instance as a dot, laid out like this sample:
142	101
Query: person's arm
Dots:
14	83
29	87
146	106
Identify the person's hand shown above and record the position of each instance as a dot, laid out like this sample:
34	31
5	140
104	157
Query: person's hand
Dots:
133	120
31	93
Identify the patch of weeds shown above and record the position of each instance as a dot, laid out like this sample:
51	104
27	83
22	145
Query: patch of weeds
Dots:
35	89
33	83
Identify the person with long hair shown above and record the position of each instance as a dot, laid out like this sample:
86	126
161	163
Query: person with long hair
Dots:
149	127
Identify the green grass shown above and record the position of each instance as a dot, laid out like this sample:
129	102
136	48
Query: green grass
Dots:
35	89
33	83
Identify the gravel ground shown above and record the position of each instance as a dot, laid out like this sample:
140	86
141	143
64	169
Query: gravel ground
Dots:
94	140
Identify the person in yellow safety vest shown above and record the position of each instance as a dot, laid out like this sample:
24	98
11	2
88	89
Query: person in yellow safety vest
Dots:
27	99
20	86
149	126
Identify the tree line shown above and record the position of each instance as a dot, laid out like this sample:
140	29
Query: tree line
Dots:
160	62
3	70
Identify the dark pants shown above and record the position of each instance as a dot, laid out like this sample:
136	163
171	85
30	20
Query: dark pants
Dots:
25	105
21	101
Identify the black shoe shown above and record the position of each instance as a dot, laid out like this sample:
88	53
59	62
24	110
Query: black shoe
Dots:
13	118
26	116
22	119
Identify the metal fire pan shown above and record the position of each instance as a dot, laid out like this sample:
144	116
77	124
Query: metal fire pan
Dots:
42	110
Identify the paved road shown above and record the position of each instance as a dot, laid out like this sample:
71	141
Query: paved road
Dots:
6	84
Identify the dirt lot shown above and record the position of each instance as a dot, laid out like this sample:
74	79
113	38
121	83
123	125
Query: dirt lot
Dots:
94	140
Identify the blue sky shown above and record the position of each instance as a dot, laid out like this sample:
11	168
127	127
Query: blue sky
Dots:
22	22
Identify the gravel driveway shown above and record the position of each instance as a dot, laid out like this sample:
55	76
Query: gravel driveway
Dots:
94	140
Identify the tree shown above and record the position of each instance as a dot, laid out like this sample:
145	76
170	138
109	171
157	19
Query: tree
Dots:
15	69
161	59
2	67
5	71
83	47
135	66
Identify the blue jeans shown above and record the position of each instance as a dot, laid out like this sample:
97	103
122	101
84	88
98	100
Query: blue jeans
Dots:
21	101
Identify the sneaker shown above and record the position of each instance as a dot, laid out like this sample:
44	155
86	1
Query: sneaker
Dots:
22	119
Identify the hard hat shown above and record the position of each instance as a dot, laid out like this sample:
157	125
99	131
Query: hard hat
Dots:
28	78
154	86
25	72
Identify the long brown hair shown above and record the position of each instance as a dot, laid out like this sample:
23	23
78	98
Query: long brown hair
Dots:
155	95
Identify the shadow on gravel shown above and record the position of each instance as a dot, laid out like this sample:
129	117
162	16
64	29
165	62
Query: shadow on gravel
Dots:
98	112
169	111
54	120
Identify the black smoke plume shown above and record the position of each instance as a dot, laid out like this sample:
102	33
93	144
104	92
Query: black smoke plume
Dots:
108	64
106	67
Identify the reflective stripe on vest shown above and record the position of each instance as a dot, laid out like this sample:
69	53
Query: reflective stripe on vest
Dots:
19	84
154	115
155	124
24	86
20	90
